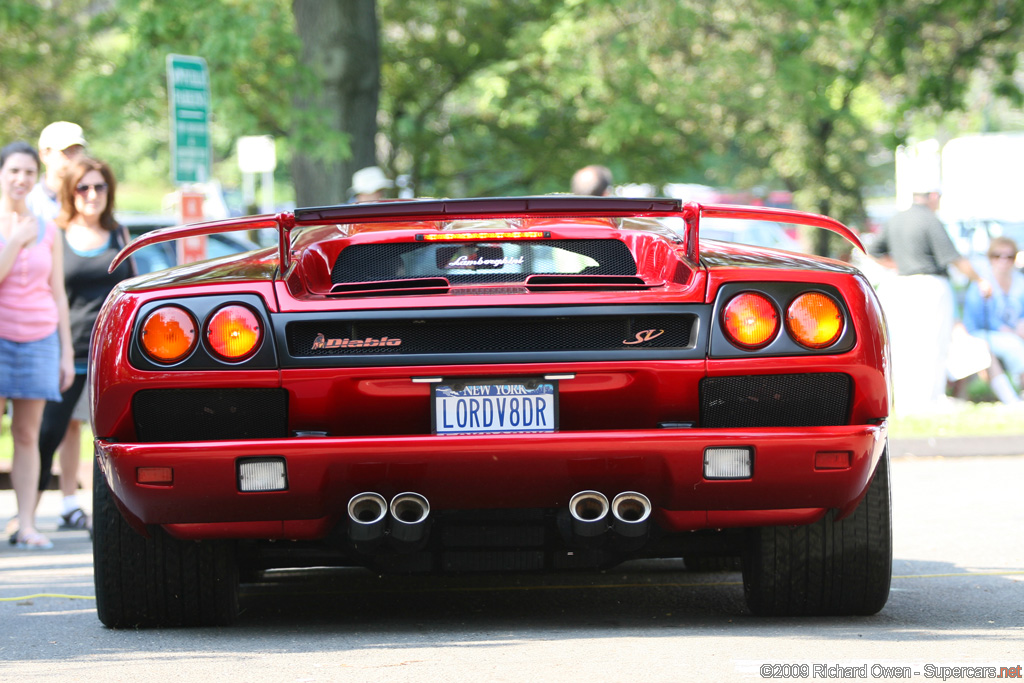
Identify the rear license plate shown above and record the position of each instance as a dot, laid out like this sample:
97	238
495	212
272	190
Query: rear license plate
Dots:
495	406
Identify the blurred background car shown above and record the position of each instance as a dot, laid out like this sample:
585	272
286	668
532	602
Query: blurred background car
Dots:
165	254
755	233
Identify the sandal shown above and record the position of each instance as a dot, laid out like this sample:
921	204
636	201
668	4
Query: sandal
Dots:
34	541
76	520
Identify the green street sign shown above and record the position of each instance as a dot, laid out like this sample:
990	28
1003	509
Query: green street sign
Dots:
188	88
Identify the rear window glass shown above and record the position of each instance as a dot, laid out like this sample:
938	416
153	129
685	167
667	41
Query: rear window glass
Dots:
482	261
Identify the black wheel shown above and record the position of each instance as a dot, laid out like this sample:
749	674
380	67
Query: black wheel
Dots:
712	563
826	568
157	581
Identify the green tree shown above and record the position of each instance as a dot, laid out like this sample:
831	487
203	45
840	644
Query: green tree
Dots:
434	55
105	68
487	97
37	52
787	93
251	49
340	49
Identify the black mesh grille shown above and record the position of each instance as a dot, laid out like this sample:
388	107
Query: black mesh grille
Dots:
210	414
376	262
489	335
803	400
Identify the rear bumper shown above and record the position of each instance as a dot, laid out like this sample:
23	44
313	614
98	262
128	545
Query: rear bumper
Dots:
487	472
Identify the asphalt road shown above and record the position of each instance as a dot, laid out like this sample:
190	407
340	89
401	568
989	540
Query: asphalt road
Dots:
957	601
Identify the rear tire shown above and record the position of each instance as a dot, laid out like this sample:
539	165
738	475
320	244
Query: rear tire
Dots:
826	568
157	581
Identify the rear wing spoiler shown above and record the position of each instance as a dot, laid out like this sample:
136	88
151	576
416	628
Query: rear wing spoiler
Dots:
452	209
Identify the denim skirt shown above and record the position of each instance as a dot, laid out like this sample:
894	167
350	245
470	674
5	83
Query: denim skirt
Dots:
30	369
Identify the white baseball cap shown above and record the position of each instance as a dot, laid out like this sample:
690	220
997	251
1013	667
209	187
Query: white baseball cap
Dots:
61	135
927	188
369	180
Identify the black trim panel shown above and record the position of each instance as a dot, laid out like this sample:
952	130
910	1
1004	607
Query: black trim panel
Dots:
201	357
781	294
698	315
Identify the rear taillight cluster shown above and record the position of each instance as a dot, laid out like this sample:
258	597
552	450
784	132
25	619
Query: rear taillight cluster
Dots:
813	320
169	333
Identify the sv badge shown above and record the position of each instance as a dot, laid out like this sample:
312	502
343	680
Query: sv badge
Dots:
645	336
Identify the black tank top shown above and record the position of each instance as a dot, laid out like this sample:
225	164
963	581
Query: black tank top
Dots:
88	283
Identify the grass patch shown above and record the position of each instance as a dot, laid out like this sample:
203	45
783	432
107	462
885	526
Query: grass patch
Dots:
967	419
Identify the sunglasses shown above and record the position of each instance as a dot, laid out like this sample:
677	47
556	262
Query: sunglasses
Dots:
1003	257
83	189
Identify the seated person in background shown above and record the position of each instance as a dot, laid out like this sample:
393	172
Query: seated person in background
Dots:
999	319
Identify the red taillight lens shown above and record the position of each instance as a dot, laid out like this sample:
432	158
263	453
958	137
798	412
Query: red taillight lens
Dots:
168	334
750	320
814	320
234	332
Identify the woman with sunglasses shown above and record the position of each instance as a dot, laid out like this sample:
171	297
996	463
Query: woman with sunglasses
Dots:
999	320
92	238
35	338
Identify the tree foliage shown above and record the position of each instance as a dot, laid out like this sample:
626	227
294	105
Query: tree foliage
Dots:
340	49
251	49
37	47
509	97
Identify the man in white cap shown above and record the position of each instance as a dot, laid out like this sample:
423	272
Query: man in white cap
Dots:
368	185
918	302
60	143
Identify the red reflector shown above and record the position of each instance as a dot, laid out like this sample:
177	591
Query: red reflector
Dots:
155	475
832	460
507	235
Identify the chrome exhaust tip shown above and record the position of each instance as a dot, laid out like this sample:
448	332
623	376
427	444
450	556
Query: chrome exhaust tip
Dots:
631	514
367	514
589	510
409	513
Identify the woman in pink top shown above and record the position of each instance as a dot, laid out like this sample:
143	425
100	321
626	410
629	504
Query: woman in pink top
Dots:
35	334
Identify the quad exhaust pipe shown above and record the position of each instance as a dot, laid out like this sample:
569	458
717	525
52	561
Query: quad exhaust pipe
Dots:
409	513
589	510
367	514
405	522
371	517
629	513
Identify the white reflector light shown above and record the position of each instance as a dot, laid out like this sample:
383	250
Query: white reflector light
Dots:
262	474
728	463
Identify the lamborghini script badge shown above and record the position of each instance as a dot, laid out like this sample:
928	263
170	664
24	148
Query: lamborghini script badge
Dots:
645	336
322	342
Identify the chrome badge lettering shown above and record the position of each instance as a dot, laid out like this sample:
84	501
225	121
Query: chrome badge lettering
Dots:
645	336
477	262
321	342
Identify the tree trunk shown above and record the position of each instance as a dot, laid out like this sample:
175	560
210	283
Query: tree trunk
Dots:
340	46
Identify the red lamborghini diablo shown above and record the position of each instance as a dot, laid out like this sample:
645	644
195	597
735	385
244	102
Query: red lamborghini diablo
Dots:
512	384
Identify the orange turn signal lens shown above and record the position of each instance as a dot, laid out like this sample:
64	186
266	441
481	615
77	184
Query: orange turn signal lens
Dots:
814	320
168	334
155	476
234	332
750	320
